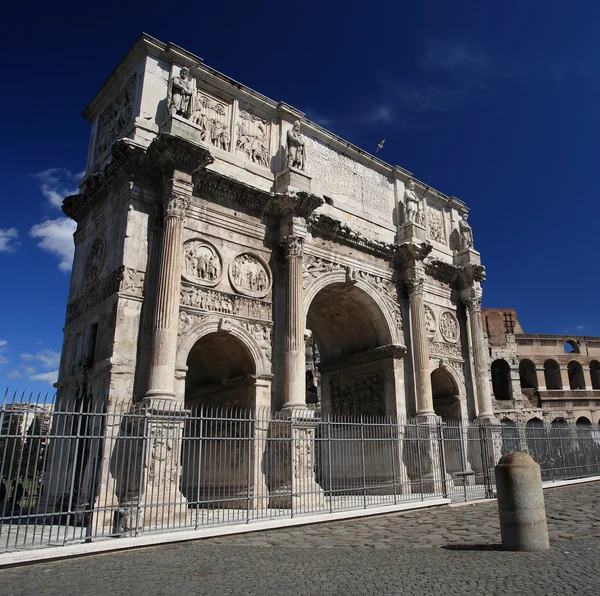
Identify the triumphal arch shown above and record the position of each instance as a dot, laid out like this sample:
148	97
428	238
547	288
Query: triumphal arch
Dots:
218	229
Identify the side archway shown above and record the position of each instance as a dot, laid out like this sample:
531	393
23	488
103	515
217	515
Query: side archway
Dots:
501	379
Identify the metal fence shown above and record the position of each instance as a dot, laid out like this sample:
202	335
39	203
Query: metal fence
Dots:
86	470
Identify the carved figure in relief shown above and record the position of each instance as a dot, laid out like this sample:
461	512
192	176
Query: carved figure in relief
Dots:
181	95
94	260
412	204
449	326
295	148
466	232
430	320
201	262
249	274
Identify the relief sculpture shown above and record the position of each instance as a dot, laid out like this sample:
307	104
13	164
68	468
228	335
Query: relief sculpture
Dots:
212	116
252	138
202	263
361	395
115	117
250	275
430	320
435	225
209	300
449	326
95	260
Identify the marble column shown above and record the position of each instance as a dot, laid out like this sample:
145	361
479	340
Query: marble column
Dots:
420	345
177	195
294	356
480	360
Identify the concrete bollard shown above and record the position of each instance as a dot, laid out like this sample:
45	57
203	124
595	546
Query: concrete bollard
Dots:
521	503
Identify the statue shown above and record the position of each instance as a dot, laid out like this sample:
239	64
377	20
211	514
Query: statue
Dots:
466	233
412	204
295	148
181	95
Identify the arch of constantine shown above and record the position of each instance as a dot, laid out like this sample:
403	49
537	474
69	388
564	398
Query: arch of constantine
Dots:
222	237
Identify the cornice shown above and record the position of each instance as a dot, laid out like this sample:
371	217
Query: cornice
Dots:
333	229
373	355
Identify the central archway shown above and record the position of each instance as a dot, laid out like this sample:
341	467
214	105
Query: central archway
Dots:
360	364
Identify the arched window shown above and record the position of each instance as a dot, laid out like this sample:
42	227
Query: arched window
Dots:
583	422
571	347
552	375
595	374
527	374
576	380
510	436
501	379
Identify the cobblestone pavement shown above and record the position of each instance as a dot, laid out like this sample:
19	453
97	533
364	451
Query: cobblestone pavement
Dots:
451	550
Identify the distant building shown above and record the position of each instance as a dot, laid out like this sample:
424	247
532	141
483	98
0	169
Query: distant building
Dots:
553	378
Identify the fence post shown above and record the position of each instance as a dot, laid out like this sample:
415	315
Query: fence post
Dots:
393	446
362	445
440	430
485	461
329	464
199	470
251	448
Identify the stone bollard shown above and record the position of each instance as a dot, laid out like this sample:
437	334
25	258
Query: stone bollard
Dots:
521	503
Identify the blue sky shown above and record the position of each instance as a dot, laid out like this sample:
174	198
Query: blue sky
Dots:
495	103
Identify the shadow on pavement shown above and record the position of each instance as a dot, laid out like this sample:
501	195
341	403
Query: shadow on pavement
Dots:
473	547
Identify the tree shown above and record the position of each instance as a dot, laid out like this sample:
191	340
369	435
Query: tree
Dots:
10	445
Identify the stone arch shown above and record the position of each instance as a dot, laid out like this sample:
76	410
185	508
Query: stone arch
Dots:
527	374
536	435
583	421
501	379
552	375
576	379
571	347
387	319
595	374
225	325
445	389
358	344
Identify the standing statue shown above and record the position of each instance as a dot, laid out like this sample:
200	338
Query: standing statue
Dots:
295	148
412	204
466	233
181	95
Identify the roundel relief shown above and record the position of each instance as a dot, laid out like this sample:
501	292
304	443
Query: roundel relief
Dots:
250	275
430	319
202	263
95	260
449	326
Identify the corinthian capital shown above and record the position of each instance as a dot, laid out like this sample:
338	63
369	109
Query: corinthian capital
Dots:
176	205
473	304
292	246
415	285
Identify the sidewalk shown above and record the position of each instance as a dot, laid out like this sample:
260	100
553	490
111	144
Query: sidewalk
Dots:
451	550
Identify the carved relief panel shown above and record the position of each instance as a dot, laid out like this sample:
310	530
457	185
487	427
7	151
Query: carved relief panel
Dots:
250	275
252	139
435	225
95	260
213	116
430	321
449	326
115	118
203	264
359	395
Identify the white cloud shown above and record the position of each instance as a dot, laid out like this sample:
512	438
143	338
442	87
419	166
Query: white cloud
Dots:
3	351
455	56
429	97
56	237
582	327
58	183
47	358
8	239
320	119
49	377
381	113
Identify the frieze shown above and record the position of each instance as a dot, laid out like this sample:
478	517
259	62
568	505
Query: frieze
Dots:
203	264
96	293
435	225
115	118
449	326
250	275
212	301
360	395
441	348
313	267
212	117
262	334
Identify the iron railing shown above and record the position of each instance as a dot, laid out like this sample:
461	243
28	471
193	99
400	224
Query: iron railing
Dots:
88	469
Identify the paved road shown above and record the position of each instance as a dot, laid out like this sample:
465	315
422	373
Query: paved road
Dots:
441	551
